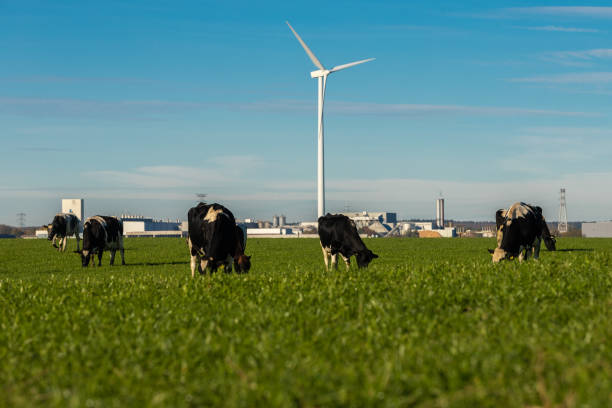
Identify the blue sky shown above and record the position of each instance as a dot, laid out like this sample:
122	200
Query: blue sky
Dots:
136	106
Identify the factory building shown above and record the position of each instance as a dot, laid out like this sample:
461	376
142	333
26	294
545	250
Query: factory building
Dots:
279	221
139	226
602	229
365	218
269	232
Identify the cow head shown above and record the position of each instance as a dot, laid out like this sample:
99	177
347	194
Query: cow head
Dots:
365	257
242	263
499	254
550	242
50	231
86	255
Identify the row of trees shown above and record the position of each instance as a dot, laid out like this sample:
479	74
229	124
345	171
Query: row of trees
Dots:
16	231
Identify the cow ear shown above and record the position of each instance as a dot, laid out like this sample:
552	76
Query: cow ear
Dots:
374	256
491	251
249	257
499	217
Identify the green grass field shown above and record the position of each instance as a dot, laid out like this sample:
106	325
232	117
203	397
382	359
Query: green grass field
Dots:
432	323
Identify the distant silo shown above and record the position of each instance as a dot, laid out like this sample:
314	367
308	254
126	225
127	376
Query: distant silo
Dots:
275	221
440	213
74	206
282	220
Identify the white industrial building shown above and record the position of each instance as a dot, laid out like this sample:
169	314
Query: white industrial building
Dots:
601	229
139	226
267	232
365	218
74	206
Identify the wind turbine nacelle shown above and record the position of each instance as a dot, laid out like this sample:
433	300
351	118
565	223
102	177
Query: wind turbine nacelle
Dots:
319	73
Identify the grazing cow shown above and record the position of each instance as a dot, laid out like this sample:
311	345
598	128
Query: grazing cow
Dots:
520	230
215	240
338	235
547	237
63	226
102	233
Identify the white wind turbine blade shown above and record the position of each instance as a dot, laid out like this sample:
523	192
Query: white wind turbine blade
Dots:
350	64
310	54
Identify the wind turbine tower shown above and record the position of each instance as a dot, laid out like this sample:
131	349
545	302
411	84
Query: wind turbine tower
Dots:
321	74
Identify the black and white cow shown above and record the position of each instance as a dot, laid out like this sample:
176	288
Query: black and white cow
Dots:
520	230
215	240
63	226
102	233
338	235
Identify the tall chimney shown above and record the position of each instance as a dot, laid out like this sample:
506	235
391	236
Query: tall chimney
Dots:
440	213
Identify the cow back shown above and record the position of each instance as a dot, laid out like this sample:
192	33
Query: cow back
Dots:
212	231
338	232
102	232
520	226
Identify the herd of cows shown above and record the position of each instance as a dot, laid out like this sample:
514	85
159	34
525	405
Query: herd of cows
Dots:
214	238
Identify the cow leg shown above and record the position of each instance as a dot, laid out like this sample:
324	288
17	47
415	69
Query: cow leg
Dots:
77	239
54	244
528	250
347	261
521	256
325	256
64	242
112	256
100	258
194	264
334	261
204	266
536	248
122	250
228	264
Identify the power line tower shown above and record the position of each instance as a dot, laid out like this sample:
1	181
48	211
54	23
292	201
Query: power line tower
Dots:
562	225
21	217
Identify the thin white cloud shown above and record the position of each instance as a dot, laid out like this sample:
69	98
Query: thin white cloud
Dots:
569	132
93	108
67	79
571	11
562	29
364	108
219	172
573	78
146	108
578	58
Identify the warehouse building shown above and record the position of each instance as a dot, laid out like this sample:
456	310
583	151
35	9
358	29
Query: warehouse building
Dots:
139	226
601	229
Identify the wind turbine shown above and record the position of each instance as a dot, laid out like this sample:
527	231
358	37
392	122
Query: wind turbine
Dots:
321	74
